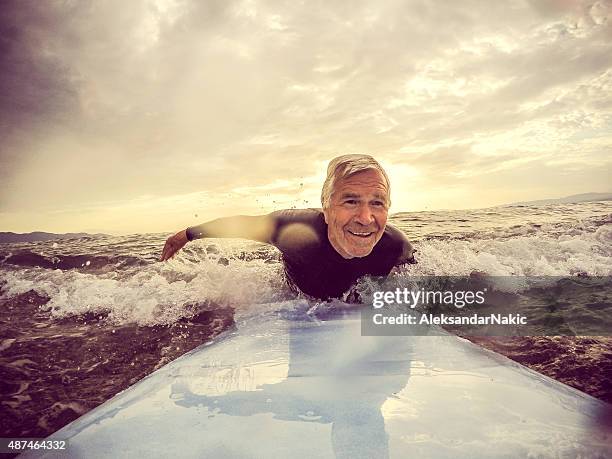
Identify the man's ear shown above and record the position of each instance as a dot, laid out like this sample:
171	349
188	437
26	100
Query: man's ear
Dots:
326	217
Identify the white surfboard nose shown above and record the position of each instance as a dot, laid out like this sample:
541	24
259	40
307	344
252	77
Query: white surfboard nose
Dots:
304	388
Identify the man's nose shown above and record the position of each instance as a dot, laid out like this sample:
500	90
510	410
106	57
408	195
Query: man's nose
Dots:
364	215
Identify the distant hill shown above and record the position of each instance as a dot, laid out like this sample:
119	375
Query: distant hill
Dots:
584	197
39	236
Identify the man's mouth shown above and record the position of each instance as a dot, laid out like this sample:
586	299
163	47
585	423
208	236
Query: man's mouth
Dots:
362	234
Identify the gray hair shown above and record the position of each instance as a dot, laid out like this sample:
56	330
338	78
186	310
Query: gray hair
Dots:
344	166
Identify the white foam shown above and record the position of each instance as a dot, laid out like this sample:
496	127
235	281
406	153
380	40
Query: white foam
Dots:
535	255
156	294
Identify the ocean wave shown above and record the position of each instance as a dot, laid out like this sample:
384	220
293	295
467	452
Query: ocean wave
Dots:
206	275
585	253
120	277
156	294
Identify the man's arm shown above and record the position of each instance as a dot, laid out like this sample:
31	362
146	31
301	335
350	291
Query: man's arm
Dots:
257	228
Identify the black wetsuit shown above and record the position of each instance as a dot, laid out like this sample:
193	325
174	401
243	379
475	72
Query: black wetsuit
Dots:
316	268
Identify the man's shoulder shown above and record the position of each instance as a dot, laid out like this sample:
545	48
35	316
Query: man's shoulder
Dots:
394	235
397	241
291	223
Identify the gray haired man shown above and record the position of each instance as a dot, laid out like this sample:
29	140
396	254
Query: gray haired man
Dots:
324	251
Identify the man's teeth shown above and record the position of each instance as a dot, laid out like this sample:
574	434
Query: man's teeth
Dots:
360	234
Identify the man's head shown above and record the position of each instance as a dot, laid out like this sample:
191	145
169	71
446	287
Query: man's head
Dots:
356	200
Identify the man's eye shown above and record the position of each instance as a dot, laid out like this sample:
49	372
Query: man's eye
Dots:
378	204
350	202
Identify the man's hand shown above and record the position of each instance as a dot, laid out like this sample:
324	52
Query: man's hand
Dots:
173	245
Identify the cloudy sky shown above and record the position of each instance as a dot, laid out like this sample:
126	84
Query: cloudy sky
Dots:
148	116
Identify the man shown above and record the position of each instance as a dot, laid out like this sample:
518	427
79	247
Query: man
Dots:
324	251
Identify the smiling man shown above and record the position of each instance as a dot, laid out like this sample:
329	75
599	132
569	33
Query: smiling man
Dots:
324	251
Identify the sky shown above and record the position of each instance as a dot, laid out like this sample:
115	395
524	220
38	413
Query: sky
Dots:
150	116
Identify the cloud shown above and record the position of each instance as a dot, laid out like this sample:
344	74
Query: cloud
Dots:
109	101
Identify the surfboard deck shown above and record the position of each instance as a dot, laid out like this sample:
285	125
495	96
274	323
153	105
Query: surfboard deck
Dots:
285	385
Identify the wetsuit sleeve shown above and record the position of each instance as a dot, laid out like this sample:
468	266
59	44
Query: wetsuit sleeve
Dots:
257	228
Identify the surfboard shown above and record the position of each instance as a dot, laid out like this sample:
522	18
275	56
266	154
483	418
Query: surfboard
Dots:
288	384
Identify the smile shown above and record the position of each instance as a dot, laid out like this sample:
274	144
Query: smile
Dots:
364	235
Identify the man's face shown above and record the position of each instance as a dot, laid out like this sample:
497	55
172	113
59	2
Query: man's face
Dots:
357	213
